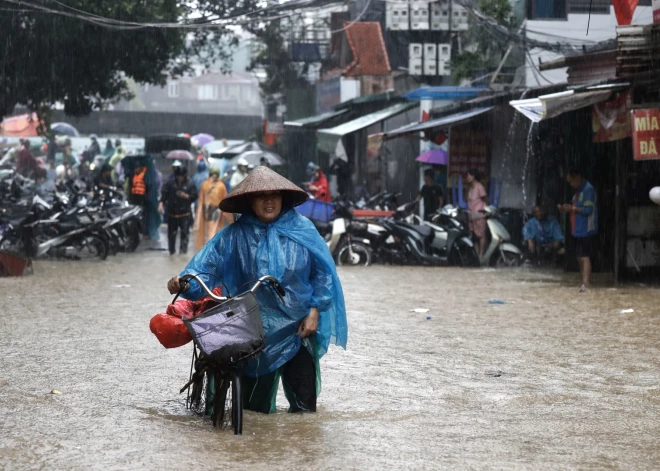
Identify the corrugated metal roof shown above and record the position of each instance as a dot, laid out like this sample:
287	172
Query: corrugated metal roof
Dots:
638	50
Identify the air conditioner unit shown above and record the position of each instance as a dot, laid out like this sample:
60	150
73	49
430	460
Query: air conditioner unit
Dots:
415	51
443	68
415	66
439	16
430	67
419	16
430	51
397	17
444	52
460	18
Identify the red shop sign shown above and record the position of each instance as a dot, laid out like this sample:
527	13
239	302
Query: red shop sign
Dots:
646	134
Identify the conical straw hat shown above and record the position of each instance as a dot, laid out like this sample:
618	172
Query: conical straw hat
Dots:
260	180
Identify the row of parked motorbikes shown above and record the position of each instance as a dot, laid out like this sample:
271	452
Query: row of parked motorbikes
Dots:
67	222
405	238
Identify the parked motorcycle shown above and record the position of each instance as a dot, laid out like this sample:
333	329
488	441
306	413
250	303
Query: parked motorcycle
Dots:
452	237
500	252
345	246
61	235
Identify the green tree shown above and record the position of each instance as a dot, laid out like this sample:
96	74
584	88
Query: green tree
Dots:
82	53
481	50
272	55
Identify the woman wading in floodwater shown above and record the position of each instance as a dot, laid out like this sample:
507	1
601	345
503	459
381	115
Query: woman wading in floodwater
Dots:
271	238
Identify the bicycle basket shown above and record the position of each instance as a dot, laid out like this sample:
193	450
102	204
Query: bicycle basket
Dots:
229	332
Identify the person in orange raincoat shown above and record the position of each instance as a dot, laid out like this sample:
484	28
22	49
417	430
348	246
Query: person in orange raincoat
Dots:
209	219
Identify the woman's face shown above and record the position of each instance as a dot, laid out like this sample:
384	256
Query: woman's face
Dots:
267	206
469	178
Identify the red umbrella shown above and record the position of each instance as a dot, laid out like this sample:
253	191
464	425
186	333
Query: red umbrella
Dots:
180	155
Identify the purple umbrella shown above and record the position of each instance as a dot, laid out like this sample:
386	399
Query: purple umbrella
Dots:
434	156
202	139
180	155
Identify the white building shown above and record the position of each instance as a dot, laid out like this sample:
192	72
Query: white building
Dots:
558	20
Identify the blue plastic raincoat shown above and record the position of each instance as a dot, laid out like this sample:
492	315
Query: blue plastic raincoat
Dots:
291	250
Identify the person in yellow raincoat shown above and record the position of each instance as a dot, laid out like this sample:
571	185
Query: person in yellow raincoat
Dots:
209	219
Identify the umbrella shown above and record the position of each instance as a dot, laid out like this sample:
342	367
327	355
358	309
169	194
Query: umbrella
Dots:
245	147
434	156
202	139
180	155
64	128
253	157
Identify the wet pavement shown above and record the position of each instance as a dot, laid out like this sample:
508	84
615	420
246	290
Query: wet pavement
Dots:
552	380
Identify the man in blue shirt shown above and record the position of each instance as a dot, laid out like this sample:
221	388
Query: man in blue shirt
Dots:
542	234
584	222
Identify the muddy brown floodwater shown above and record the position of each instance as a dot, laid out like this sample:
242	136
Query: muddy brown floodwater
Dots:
553	380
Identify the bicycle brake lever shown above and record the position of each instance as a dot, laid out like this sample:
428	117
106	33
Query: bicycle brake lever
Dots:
280	291
183	286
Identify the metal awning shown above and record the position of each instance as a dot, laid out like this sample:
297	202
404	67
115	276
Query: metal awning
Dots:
328	137
551	106
314	122
444	122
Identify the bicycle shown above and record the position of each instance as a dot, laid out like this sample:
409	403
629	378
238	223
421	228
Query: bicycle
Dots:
227	336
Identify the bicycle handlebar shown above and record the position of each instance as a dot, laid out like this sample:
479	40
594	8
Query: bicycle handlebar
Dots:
185	281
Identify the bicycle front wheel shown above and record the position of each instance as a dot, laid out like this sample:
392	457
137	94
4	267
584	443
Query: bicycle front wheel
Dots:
236	403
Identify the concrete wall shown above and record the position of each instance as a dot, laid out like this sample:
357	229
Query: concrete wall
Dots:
133	123
601	28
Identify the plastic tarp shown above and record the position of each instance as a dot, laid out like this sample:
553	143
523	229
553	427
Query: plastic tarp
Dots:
152	219
314	121
291	250
551	106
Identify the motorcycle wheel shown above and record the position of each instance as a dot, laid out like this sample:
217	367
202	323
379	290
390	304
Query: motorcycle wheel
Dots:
93	246
506	259
361	254
463	256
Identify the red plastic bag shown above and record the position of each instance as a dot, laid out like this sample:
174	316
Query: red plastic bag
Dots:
168	326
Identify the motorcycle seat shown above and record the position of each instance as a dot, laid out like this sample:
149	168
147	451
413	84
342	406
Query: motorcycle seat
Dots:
425	231
322	227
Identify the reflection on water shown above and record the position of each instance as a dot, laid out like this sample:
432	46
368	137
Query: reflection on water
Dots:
554	379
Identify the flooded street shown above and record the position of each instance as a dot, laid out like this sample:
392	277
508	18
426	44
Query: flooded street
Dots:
554	379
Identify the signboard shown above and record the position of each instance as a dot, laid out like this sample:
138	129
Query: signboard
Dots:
610	120
468	148
656	11
374	145
646	134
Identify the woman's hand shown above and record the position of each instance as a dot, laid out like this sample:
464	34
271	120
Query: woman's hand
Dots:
309	324
174	285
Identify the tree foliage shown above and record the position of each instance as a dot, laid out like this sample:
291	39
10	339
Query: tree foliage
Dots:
68	57
274	58
481	51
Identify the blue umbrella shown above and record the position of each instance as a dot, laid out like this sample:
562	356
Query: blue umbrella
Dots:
64	128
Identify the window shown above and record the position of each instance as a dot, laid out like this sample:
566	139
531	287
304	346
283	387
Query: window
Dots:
233	91
546	9
207	92
247	93
601	7
173	90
